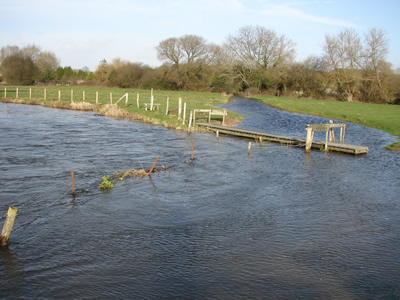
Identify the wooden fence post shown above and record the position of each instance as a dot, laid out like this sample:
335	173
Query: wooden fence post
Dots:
83	96
190	119
8	225
137	100
5	92
248	148
166	111
110	98
97	97
59	95
45	96
126	99
179	108
72	96
30	93
16	93
184	113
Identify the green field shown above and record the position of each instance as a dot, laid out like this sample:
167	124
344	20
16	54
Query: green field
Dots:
380	116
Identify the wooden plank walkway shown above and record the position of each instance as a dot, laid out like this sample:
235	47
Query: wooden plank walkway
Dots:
262	136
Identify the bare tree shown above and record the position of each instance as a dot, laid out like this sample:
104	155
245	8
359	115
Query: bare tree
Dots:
170	50
258	47
343	54
47	63
193	48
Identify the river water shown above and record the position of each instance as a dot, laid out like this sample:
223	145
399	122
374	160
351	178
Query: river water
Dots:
275	224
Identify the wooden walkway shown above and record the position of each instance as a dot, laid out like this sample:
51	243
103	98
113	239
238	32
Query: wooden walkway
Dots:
262	136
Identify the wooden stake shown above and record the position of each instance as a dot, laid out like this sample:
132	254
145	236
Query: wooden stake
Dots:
137	100
110	98
152	167
8	225
309	139
59	95
97	98
83	96
248	148
166	111
190	119
30	93
72	96
179	108
5	92
16	93
73	183
44	94
184	113
126	100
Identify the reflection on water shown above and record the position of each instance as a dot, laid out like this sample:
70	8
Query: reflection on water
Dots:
277	224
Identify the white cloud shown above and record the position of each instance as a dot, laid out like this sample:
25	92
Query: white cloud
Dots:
289	12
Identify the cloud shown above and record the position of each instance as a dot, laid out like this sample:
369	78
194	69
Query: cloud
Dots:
289	12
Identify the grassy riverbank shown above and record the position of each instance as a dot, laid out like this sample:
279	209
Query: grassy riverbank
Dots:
381	116
72	98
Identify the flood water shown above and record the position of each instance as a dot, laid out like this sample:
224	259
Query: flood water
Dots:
278	224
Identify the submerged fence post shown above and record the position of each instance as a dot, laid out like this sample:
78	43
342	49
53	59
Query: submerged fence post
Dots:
309	139
73	183
192	149
8	225
248	148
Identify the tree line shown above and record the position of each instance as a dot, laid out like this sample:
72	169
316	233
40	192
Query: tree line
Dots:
254	60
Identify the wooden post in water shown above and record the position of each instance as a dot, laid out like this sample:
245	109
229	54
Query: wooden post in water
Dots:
152	167
166	111
217	135
73	183
192	149
248	148
8	225
309	139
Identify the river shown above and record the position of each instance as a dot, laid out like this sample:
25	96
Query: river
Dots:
275	224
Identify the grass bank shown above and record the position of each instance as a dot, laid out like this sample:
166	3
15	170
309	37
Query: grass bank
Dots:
98	99
381	116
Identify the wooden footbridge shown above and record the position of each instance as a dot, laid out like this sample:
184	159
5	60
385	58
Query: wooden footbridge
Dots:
328	145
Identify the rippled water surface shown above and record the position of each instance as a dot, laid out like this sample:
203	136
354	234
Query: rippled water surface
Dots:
276	224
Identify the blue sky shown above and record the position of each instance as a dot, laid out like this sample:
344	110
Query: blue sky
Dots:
83	32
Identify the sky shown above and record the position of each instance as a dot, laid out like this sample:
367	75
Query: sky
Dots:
81	33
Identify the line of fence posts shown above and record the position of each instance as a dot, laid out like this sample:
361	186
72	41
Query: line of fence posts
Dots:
59	95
